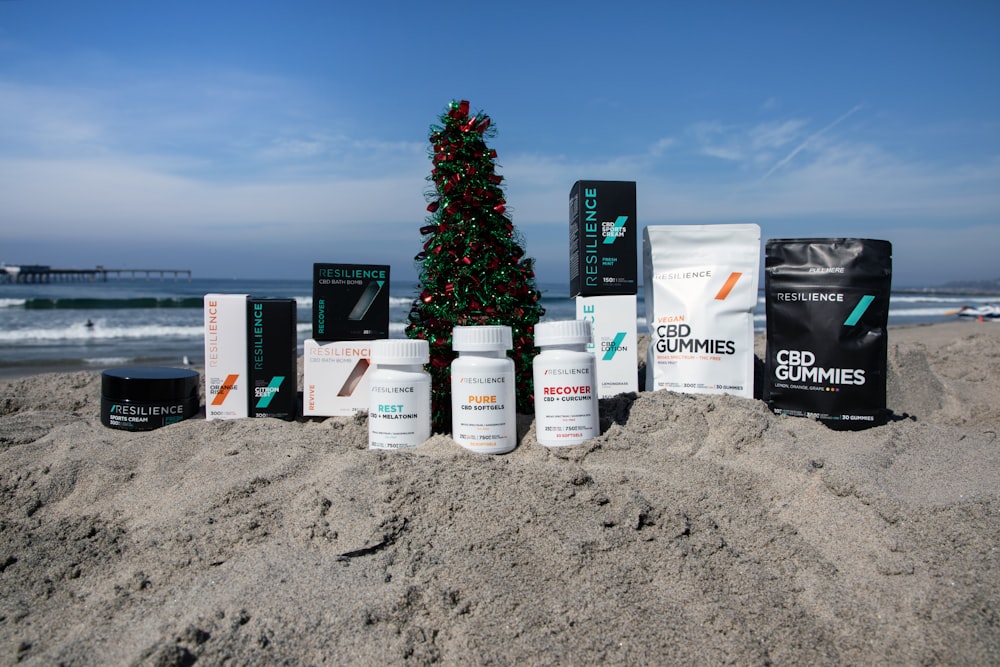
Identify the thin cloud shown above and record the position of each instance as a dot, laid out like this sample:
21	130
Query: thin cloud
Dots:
57	198
127	167
659	147
808	140
717	140
770	104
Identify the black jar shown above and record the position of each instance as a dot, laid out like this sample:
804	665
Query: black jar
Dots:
144	398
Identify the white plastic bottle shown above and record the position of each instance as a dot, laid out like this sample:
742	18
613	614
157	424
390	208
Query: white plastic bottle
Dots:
565	376
399	406
483	411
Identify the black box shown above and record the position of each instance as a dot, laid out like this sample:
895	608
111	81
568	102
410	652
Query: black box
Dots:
272	357
350	302
603	257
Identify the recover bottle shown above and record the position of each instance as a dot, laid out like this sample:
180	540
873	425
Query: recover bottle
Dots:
565	381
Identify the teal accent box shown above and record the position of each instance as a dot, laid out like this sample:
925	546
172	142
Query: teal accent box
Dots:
350	302
603	257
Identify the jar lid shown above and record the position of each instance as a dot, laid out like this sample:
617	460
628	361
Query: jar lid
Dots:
400	351
485	338
149	384
562	332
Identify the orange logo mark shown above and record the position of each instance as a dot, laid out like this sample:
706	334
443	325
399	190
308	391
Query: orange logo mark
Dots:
224	389
728	287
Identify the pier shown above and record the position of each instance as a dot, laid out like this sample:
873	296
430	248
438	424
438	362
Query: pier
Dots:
40	273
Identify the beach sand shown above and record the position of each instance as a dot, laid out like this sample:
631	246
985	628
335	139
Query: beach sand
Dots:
694	530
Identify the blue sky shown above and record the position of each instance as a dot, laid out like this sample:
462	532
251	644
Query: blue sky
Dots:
252	139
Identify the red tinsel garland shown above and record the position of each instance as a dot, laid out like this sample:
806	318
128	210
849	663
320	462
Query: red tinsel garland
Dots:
473	267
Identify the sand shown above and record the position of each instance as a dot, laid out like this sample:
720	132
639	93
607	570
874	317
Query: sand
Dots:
694	530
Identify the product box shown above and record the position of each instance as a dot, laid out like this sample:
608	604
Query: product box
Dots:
602	238
350	302
336	377
613	321
226	386
272	360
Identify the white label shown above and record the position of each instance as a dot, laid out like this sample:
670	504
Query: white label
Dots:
483	416
701	290
399	413
565	402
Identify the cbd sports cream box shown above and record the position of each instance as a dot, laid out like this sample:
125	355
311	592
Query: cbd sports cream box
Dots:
272	359
350	302
602	238
613	322
335	377
226	384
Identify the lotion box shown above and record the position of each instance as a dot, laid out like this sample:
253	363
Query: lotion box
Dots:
335	377
613	322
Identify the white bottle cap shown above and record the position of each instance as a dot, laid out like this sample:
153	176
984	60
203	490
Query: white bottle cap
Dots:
486	338
403	351
562	332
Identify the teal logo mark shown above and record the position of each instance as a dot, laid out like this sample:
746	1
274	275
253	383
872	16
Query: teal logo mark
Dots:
613	346
270	391
615	230
859	310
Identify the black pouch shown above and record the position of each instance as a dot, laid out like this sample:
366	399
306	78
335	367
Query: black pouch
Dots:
827	304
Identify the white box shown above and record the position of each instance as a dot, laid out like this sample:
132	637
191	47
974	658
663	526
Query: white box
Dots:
227	393
335	377
613	320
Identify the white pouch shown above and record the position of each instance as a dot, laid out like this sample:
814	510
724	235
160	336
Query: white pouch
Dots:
700	292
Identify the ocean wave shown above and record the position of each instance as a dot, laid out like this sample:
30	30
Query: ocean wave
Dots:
80	332
107	361
302	302
937	298
920	312
112	304
128	303
401	301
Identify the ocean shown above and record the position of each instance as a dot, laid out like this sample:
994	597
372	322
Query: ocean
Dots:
44	327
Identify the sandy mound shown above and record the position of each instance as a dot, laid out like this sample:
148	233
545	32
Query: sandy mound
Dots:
695	530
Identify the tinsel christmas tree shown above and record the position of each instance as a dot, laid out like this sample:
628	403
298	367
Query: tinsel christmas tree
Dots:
473	268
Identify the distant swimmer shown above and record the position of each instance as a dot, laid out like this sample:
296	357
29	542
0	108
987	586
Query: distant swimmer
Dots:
89	324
